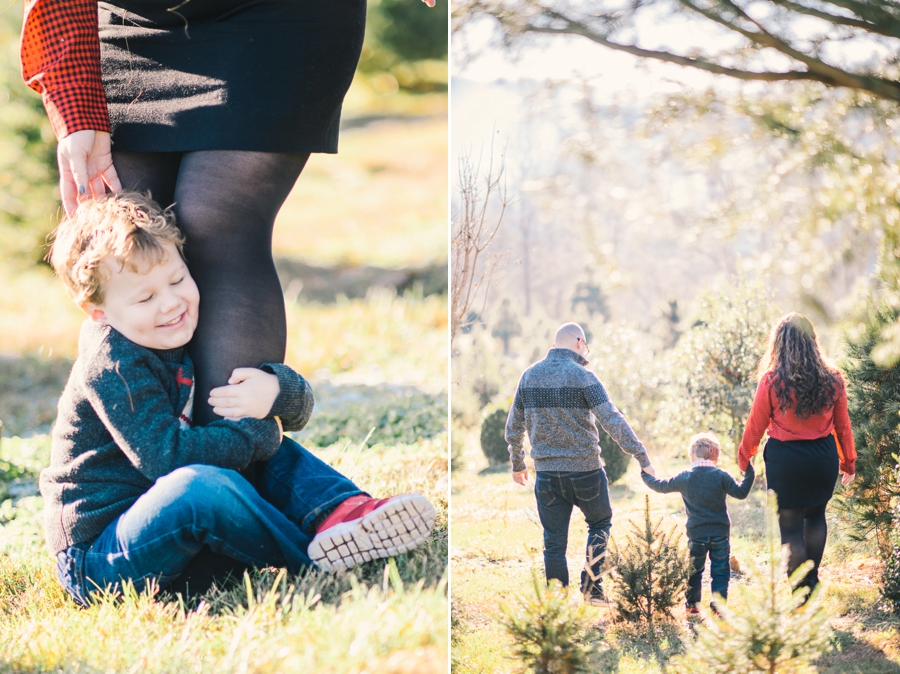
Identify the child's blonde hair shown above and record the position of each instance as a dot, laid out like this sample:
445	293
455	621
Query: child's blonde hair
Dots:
126	226
705	446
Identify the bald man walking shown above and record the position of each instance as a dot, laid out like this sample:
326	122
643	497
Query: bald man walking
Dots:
558	402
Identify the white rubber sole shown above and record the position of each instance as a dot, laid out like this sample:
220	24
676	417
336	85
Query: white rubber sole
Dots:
400	525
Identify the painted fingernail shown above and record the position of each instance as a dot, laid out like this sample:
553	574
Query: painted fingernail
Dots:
80	190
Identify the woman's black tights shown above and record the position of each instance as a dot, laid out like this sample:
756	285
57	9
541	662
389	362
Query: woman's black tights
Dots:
804	531
226	202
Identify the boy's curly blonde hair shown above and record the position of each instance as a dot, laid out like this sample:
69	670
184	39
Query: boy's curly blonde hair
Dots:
128	226
705	446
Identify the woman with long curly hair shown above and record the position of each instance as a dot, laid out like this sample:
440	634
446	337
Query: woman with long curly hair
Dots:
801	401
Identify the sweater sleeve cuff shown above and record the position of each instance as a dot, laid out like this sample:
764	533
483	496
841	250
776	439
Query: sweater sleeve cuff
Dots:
743	460
848	467
643	458
268	437
518	462
295	391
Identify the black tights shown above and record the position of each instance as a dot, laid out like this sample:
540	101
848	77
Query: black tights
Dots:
804	531
226	202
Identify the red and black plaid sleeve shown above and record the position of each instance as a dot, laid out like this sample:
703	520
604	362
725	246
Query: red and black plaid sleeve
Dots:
61	60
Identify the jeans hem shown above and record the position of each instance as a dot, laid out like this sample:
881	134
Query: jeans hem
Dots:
311	518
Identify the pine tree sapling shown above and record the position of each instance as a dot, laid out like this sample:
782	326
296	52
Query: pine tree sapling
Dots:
760	628
649	574
890	583
890	580
493	435
547	629
873	395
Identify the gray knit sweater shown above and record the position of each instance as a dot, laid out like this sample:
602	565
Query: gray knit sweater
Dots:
703	490
558	402
124	422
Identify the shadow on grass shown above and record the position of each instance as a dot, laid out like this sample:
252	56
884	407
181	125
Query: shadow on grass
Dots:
494	470
855	656
617	641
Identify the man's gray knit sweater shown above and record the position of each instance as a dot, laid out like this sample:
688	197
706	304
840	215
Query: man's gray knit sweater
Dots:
703	490
557	402
123	422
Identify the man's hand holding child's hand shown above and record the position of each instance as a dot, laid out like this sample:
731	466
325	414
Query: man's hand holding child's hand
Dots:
250	393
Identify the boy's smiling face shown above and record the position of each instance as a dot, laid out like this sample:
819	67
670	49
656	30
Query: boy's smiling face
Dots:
154	305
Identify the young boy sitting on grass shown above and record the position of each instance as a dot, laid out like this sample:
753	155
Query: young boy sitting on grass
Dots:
703	489
133	491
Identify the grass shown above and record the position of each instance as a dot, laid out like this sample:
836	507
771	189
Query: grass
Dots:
383	617
382	201
497	542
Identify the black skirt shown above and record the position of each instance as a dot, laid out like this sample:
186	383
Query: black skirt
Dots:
263	75
802	473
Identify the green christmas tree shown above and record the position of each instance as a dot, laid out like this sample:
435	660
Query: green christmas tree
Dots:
547	629
650	572
765	625
890	580
873	393
615	461
493	435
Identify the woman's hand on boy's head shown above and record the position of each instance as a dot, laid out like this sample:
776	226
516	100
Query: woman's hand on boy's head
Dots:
85	167
250	393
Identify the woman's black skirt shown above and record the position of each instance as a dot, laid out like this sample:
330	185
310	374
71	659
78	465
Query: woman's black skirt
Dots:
263	75
802	473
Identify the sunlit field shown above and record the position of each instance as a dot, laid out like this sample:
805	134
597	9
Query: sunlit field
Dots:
497	545
382	200
379	369
382	617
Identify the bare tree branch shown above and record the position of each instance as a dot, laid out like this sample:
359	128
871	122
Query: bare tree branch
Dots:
829	74
474	227
838	19
818	70
868	11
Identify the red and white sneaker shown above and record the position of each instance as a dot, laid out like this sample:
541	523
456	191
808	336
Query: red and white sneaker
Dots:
363	528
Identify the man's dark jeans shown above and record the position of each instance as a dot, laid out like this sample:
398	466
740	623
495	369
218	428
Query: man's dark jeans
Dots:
556	494
719	550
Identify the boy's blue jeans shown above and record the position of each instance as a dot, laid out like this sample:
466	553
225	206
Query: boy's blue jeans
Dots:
719	550
557	493
263	519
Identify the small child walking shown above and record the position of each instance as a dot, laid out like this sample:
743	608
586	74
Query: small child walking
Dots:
703	489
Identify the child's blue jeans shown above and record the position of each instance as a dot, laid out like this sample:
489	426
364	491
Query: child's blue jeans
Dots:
263	519
719	550
557	493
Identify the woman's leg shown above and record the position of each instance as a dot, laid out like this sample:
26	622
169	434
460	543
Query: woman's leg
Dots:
815	533
790	522
226	202
156	172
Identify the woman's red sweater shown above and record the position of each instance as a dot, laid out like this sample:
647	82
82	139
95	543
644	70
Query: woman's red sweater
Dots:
766	415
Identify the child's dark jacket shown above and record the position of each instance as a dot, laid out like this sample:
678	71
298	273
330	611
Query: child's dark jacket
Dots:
124	421
703	490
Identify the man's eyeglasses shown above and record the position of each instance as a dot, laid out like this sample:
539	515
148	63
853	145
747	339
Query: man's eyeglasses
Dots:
587	349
